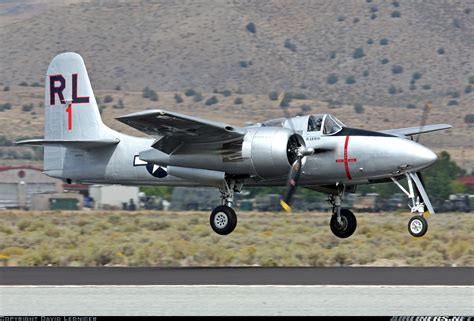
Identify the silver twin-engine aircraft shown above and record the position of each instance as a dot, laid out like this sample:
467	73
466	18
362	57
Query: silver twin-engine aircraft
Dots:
316	151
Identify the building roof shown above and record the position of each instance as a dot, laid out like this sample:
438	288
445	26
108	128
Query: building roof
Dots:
8	168
467	180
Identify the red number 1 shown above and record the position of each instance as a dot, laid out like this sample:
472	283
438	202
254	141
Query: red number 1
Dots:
69	116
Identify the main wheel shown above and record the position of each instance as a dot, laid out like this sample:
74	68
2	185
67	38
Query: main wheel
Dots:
347	226
223	220
417	226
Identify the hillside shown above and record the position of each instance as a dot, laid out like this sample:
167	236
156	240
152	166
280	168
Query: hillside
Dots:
294	45
389	56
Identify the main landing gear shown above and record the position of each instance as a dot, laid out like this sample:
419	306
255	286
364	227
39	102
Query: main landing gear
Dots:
223	219
417	225
343	222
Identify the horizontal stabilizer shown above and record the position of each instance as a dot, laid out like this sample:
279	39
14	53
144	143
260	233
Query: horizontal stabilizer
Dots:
416	130
78	143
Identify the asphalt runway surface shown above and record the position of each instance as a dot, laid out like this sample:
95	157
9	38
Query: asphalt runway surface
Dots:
237	276
237	291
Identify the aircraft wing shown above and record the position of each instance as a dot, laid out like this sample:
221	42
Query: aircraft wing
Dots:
409	131
175	129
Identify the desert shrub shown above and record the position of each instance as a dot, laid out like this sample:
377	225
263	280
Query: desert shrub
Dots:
412	87
397	69
290	45
108	99
238	101
273	95
411	106
426	87
467	10
286	101
457	23
251	27
453	103
211	101
332	79
341	18
358	108
373	16
350	80
468	89
6	88
471	80
440	51
370	41
416	75
119	105
226	93
27	108
365	73
358	53
392	90
396	4
5	106
243	64
118	88
178	98
23	84
384	41
306	108
374	8
469	119
395	14
190	92
35	84
197	97
332	54
356	20
385	61
297	96
454	94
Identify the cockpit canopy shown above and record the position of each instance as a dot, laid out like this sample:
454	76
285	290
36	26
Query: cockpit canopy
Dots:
329	124
326	124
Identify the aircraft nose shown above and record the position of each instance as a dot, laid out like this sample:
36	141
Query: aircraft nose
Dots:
422	157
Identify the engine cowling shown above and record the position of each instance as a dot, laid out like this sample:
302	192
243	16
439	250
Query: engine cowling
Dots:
272	150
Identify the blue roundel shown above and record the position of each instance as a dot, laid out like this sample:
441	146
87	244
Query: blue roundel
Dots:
156	170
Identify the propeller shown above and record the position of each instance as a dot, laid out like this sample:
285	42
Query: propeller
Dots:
297	152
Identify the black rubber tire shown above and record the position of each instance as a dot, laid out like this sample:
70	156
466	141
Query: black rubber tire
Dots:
424	226
231	220
349	224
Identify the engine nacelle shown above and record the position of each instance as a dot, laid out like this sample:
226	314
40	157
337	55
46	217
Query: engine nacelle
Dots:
272	150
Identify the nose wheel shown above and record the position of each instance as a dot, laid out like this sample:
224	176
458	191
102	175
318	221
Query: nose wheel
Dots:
417	226
223	220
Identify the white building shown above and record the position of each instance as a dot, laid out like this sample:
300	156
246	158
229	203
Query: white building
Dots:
113	196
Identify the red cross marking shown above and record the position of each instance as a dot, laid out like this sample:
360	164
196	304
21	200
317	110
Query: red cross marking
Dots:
346	160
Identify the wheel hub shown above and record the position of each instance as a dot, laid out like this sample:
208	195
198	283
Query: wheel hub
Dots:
416	226
221	220
342	225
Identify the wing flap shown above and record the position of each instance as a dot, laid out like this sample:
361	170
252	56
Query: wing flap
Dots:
182	128
409	131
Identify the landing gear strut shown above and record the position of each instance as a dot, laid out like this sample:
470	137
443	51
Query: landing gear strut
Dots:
417	226
343	222
223	219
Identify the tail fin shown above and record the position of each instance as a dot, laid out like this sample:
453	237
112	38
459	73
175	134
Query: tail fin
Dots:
71	111
72	118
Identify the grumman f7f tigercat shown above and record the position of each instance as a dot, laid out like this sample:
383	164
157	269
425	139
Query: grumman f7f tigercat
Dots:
316	151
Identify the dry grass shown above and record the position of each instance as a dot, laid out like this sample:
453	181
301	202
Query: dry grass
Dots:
266	239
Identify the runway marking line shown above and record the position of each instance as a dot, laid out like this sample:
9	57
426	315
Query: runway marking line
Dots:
235	286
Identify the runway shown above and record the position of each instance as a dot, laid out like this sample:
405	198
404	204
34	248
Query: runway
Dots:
237	291
236	276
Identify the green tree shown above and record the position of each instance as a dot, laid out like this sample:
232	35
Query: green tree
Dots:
160	191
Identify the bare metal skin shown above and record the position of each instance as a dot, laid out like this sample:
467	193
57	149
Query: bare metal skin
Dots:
313	151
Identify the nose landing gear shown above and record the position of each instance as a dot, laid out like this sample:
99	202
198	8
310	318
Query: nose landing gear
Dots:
420	204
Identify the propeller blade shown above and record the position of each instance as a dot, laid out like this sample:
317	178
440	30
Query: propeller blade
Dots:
424	117
293	177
